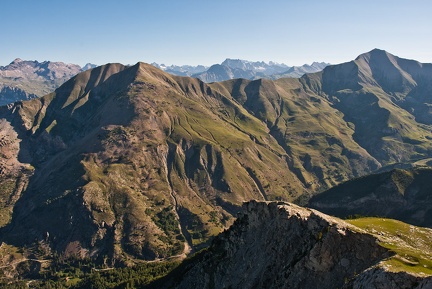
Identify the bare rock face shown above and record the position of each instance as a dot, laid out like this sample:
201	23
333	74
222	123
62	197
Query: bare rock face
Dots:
281	245
24	80
379	278
13	174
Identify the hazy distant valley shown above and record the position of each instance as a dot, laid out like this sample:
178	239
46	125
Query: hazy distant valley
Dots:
143	165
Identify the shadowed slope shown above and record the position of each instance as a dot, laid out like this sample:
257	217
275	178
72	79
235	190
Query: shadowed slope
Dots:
399	194
371	92
318	142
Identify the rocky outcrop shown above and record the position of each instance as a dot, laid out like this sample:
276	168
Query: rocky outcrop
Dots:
13	174
281	245
379	278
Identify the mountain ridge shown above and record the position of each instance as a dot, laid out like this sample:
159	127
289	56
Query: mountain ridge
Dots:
147	79
236	68
150	165
280	245
24	79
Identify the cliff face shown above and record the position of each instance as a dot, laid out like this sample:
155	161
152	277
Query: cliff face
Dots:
281	245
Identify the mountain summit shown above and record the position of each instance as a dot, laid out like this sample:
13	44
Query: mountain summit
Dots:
393	90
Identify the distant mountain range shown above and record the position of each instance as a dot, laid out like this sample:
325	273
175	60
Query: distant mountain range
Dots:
237	68
23	80
182	70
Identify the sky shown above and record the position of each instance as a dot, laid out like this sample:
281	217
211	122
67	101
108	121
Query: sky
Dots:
206	32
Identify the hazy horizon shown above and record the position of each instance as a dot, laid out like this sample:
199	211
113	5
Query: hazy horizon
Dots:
195	32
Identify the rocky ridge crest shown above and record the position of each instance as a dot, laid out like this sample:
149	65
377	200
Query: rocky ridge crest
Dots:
281	245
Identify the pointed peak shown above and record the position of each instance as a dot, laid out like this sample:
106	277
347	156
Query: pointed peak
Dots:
146	66
88	66
376	52
148	70
17	60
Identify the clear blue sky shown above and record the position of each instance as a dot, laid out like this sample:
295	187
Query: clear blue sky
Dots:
208	31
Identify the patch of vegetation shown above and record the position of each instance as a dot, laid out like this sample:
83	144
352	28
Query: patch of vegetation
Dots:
51	126
194	225
167	221
6	189
410	243
134	277
175	275
82	274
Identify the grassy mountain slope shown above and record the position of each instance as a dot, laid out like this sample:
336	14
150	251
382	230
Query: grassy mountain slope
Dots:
371	91
411	244
136	163
319	143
